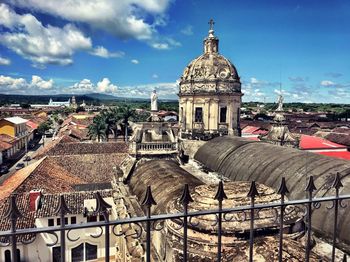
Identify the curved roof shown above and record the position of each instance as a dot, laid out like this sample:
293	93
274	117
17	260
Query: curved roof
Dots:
240	160
166	178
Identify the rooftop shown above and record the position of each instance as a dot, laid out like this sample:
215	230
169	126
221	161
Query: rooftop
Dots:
16	120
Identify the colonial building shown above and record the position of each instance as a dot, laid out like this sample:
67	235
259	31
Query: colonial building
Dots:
210	94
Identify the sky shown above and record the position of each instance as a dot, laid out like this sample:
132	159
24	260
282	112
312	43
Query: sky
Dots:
127	48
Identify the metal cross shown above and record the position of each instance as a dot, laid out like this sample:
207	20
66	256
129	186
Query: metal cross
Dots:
211	23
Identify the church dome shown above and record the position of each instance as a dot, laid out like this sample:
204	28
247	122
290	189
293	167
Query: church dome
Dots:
210	72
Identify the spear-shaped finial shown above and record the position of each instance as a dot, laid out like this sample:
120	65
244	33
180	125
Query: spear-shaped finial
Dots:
220	193
148	200
186	198
101	204
61	207
253	191
337	182
12	211
283	190
311	185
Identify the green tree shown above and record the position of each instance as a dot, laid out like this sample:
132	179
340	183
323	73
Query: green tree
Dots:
43	127
125	113
98	128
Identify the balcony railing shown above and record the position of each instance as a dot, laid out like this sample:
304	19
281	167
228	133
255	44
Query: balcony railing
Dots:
146	224
166	146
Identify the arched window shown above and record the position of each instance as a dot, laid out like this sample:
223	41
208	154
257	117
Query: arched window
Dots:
90	251
84	252
7	256
78	253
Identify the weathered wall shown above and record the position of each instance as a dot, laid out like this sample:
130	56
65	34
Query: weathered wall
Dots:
240	160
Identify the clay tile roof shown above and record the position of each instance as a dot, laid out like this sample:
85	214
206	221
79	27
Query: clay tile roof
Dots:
50	177
32	124
7	138
74	200
15	180
4	145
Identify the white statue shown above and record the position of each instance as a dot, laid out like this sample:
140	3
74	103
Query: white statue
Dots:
280	103
154	103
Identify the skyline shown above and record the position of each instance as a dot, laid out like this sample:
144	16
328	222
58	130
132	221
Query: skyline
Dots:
131	48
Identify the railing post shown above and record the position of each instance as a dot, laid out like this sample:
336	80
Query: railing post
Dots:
309	188
253	192
13	214
61	210
185	200
102	208
283	190
220	196
337	184
148	202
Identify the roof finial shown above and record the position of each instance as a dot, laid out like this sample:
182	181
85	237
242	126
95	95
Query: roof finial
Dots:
211	24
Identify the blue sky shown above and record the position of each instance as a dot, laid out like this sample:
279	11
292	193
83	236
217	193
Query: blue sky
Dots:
129	47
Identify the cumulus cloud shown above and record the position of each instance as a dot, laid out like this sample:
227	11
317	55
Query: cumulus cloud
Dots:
188	30
40	83
4	61
155	76
327	83
135	61
83	86
123	18
12	85
29	38
103	52
105	86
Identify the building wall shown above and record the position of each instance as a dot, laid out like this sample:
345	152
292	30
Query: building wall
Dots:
210	105
7	128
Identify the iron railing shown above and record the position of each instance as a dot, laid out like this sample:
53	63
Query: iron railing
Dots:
146	224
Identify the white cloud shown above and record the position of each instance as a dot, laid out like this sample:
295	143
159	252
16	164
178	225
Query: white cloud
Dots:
7	82
282	92
4	61
20	85
41	44
155	76
188	30
40	83
135	61
103	52
105	86
327	83
84	86
123	18
164	90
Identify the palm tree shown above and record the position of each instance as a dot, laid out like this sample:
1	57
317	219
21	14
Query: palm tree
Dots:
98	128
125	113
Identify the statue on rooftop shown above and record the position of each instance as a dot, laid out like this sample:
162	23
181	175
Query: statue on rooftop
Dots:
280	103
154	101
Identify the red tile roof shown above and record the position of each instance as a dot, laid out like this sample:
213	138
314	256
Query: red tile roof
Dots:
32	124
312	142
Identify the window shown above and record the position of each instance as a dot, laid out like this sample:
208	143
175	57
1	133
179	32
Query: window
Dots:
78	253
8	255
73	220
223	113
90	251
51	222
56	254
198	115
84	251
91	218
59	221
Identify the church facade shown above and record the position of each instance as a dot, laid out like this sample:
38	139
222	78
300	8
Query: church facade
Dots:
210	94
